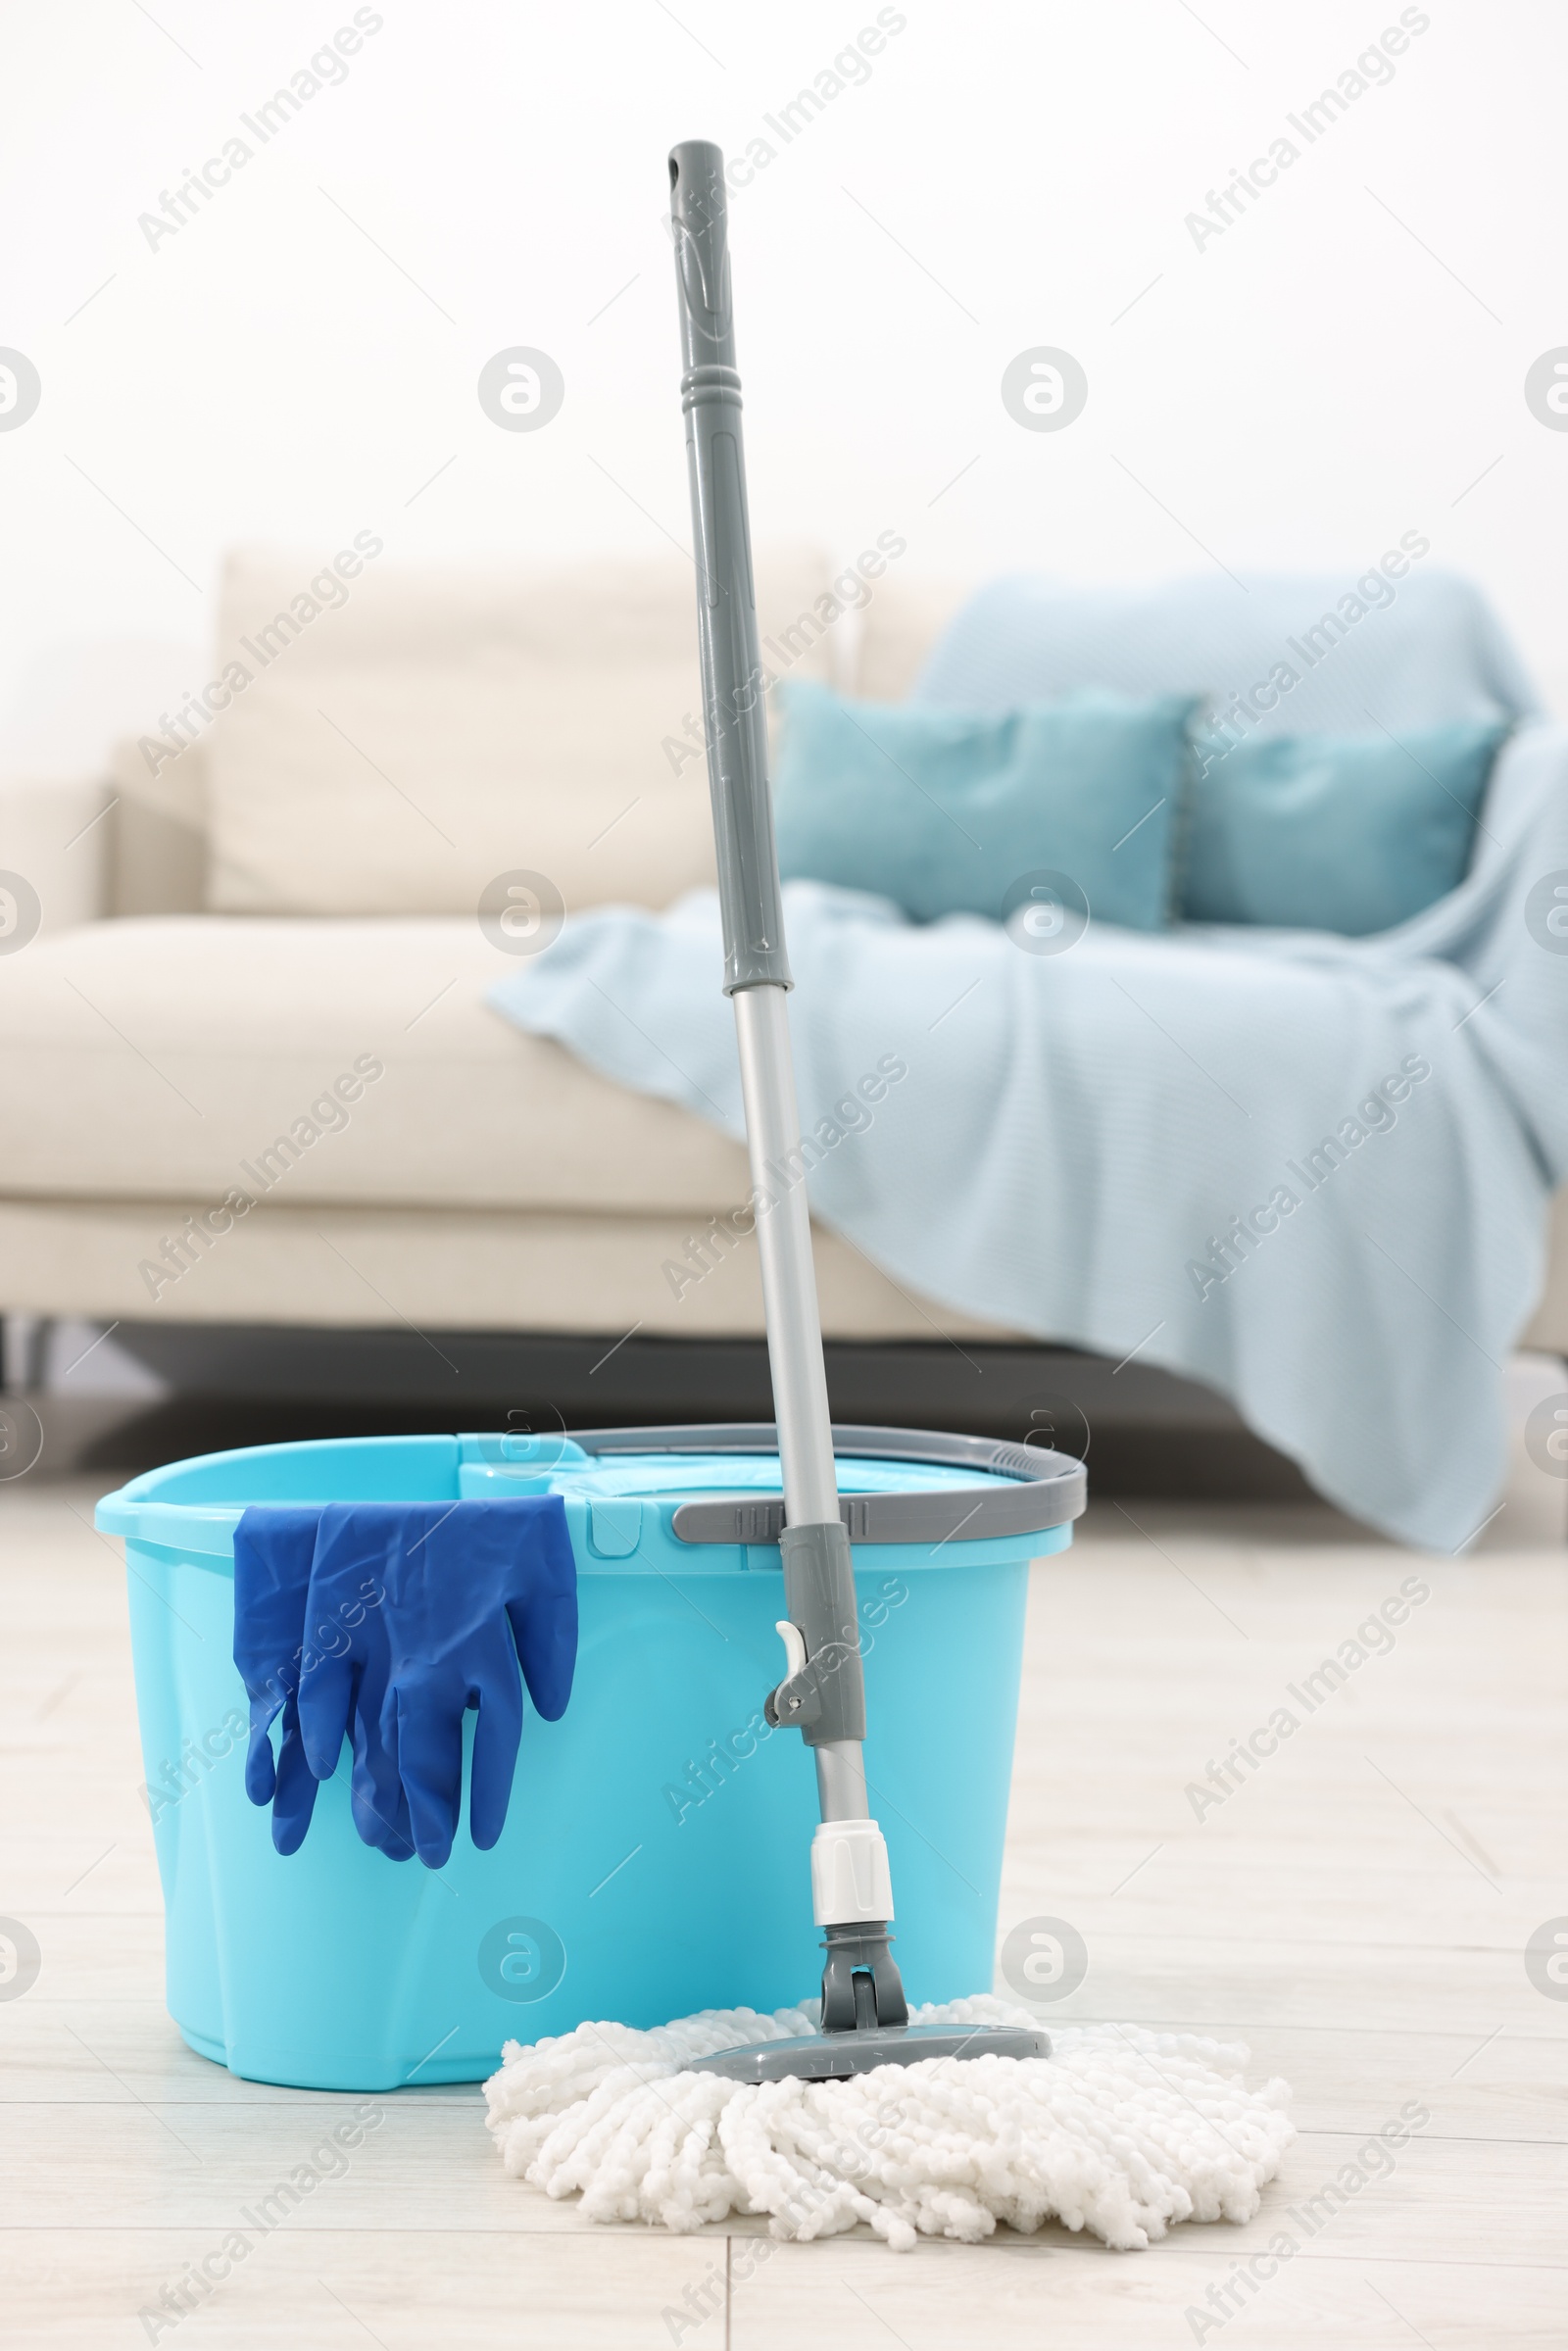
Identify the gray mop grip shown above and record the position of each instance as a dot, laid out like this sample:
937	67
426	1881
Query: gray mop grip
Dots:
819	1594
726	609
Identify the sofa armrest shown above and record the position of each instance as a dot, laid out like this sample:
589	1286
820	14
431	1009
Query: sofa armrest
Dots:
54	836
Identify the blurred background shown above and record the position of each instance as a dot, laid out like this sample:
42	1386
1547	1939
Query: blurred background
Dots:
262	319
298	362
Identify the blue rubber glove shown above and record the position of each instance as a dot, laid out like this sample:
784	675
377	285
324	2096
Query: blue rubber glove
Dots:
273	1553
343	1674
471	1592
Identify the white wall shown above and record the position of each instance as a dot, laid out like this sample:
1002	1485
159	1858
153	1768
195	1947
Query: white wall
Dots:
1301	390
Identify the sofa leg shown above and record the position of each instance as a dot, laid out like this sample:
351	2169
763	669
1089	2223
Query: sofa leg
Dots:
24	1347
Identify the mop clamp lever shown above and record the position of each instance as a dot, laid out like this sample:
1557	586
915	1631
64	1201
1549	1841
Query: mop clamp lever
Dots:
823	1692
795	1703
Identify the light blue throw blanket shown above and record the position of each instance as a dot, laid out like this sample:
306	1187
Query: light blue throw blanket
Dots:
1311	1172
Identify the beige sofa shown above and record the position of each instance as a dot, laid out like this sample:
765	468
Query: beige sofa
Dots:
260	969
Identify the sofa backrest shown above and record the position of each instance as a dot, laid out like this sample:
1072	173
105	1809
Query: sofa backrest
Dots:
1399	646
898	630
389	741
398	739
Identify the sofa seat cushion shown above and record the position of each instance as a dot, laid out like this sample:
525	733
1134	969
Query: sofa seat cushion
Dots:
299	1061
387	1268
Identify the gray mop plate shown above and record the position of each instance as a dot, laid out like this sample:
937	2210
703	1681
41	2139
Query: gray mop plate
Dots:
835	2056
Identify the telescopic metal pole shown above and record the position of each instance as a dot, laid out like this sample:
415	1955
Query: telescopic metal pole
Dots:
823	1692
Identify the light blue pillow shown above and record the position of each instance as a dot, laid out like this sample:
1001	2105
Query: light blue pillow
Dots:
1348	833
946	812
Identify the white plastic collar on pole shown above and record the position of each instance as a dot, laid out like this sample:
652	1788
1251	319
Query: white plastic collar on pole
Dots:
851	1883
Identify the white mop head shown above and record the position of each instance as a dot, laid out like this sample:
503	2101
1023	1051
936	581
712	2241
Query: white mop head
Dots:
1119	2132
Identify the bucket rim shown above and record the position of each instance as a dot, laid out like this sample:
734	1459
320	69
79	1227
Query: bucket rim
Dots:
1027	1490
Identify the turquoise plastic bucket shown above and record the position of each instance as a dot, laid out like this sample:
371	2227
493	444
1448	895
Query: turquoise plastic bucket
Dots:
655	1859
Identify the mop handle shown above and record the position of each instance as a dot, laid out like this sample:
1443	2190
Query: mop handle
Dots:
726	609
825	1699
757	971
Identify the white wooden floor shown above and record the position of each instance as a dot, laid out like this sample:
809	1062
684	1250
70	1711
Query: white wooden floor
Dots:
1358	1912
